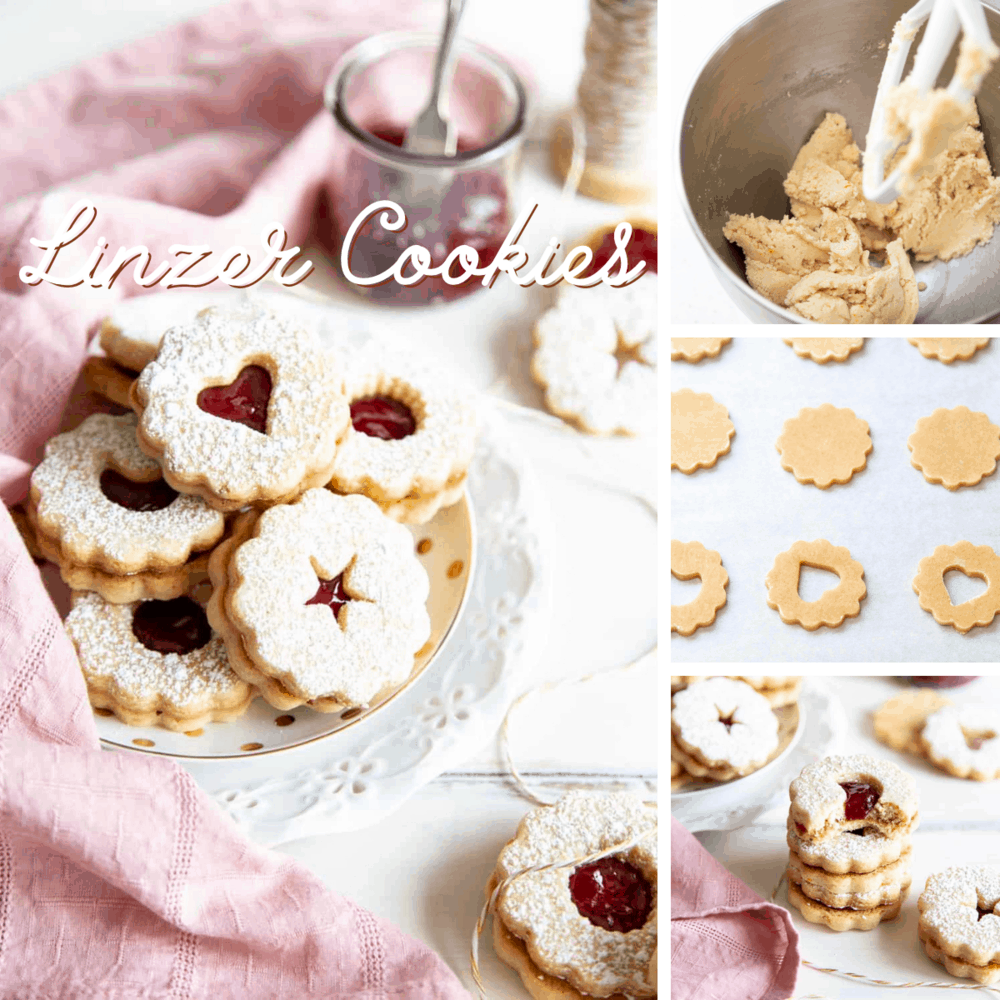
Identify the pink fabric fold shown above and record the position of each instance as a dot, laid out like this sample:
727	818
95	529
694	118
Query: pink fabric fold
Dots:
119	877
726	943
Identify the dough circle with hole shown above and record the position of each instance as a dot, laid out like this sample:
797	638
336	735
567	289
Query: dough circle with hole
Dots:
687	561
838	603
978	561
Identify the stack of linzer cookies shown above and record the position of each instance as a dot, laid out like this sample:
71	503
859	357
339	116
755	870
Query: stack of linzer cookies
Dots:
724	728
238	532
849	836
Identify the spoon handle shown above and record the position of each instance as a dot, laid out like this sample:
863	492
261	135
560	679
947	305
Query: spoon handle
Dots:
439	94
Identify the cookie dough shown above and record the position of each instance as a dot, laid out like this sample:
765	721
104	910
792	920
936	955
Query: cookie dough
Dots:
817	262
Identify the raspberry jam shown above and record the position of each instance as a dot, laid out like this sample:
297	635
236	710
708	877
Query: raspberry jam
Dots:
800	828
471	208
177	626
136	496
982	913
331	593
611	894
642	246
244	400
728	721
861	798
382	417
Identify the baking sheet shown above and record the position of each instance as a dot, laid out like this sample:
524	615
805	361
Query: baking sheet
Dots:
749	509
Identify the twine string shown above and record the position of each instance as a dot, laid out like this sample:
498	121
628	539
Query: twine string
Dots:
617	92
490	905
858	977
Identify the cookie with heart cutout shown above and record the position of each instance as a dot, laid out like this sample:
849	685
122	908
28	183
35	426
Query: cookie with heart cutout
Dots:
588	930
963	740
839	794
241	408
98	504
412	434
320	602
155	662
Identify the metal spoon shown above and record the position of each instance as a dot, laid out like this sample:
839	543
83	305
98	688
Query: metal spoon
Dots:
432	134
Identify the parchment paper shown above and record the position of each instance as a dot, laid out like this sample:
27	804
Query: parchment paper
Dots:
749	509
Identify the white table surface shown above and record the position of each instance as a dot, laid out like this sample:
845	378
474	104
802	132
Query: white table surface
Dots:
425	867
959	823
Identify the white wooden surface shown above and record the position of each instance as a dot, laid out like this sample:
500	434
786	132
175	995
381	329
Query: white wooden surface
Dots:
959	822
426	866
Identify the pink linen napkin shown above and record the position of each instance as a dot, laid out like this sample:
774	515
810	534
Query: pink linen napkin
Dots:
119	877
726	943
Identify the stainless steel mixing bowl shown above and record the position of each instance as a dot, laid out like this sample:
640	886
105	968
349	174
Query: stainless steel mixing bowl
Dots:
761	95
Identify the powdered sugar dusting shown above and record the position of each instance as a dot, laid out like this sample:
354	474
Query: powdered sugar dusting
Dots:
306	413
844	852
92	529
817	797
141	321
372	642
948	908
422	463
109	652
538	906
696	718
943	734
575	356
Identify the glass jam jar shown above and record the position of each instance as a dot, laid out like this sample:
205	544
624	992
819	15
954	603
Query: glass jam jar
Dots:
374	94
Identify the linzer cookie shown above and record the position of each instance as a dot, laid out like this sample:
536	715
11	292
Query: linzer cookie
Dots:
723	728
840	794
411	438
955	447
779	691
899	722
694	349
687	561
848	851
583	932
155	663
130	334
837	604
979	561
852	890
100	506
949	349
845	919
825	349
959	924
596	355
321	601
700	431
963	740
825	445
241	408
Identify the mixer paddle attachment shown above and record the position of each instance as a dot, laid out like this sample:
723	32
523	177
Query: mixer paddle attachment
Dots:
913	112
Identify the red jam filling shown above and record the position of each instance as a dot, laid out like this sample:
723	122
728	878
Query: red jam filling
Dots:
728	721
177	626
382	417
472	210
800	828
244	401
332	594
611	894
982	913
861	798
642	246
136	496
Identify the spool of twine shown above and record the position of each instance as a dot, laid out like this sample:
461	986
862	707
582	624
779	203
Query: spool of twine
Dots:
616	105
